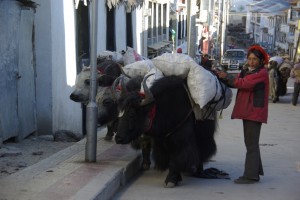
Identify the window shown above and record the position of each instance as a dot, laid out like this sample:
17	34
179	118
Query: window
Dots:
258	19
292	29
154	20
129	34
159	23
165	21
150	22
110	29
179	27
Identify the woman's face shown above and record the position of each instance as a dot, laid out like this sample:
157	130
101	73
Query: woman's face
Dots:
253	61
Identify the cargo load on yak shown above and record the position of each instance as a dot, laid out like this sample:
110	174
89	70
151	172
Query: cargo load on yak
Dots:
206	91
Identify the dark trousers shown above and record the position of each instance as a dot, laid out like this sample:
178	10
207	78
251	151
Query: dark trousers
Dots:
296	93
253	165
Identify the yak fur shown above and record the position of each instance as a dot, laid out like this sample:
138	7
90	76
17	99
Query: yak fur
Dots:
180	142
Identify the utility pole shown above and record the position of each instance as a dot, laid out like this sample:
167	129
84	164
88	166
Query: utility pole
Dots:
275	33
223	25
92	111
296	50
219	31
209	22
191	24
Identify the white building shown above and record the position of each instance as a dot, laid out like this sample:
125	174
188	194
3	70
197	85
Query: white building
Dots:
59	44
265	20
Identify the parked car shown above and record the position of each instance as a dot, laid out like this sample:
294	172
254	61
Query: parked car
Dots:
233	59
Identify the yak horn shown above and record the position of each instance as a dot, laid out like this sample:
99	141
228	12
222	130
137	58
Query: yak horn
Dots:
122	70
120	80
123	86
114	85
148	94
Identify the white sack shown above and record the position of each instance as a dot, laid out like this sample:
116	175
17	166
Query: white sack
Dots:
203	85
278	59
131	56
157	74
173	64
115	56
138	68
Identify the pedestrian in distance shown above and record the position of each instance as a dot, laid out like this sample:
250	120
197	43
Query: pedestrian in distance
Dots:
295	74
251	106
206	62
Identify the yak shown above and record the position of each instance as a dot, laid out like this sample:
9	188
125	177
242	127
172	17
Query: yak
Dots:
107	103
108	112
107	72
181	143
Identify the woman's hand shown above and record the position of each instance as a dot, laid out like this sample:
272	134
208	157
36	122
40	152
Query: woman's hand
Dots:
219	73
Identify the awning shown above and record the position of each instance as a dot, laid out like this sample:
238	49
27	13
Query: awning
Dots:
28	3
159	45
131	4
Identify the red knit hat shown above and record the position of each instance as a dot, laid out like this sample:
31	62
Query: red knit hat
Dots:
179	50
258	48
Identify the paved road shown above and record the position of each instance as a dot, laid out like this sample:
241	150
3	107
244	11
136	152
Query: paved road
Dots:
280	149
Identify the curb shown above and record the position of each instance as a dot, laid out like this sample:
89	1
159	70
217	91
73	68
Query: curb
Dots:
65	175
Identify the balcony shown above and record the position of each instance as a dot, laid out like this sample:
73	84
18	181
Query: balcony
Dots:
290	37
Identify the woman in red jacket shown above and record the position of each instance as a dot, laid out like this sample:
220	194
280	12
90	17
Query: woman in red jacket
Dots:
251	106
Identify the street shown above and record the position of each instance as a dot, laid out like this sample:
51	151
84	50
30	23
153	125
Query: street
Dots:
280	147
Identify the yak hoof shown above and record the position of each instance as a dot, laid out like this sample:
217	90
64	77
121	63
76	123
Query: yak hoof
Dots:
145	166
170	185
108	137
275	100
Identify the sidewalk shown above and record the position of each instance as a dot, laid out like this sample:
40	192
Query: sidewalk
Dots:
66	175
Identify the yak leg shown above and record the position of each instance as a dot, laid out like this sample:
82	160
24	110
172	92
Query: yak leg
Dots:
109	135
146	151
173	177
145	144
111	129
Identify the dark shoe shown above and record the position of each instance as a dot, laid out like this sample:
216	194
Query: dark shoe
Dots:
244	180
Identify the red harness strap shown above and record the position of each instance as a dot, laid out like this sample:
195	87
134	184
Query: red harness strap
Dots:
151	116
100	70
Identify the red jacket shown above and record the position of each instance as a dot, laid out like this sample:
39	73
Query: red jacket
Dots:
252	95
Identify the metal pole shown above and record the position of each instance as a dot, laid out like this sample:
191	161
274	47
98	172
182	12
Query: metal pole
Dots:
188	20
209	22
275	33
91	111
223	32
296	50
191	36
218	54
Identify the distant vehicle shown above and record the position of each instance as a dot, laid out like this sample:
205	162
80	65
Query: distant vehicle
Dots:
233	59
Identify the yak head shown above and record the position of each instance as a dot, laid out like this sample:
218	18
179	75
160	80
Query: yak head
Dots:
107	105
81	92
133	111
107	97
107	72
